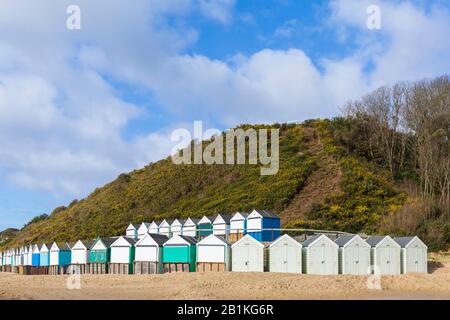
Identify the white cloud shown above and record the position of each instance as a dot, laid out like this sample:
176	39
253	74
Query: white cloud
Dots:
62	123
220	10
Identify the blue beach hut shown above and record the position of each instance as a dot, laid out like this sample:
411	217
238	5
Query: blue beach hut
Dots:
263	225
35	257
44	256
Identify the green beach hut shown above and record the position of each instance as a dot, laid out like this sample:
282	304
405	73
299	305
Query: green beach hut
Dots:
179	254
205	226
99	255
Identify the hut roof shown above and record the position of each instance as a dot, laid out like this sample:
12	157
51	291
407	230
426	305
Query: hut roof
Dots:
159	238
343	240
403	241
266	213
375	240
310	240
188	239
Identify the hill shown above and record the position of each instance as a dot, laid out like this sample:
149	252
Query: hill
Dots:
314	188
8	234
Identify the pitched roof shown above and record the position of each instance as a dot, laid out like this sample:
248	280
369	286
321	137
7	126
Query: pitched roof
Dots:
190	240
106	241
182	221
159	238
266	213
225	218
403	241
310	240
64	246
194	220
87	243
147	224
244	214
131	241
343	240
374	240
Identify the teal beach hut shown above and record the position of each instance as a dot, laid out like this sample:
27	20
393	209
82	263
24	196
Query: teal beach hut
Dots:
179	254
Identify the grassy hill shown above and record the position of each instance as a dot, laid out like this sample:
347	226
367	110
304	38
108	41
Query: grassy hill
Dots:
320	184
7	235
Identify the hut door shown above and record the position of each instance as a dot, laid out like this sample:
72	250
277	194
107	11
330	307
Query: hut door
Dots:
290	260
251	258
357	257
388	259
323	260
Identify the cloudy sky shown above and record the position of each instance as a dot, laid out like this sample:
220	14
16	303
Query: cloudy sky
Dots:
78	107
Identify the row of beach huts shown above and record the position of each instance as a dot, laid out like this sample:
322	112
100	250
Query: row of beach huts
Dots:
240	243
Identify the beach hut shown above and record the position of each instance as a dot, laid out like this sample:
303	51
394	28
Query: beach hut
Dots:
384	255
122	256
221	225
20	256
263	225
35	260
132	231
154	227
148	254
79	257
320	255
25	255
238	225
354	255
179	253
285	255
413	254
176	226
44	255
99	255
190	227
164	227
30	255
205	227
247	255
143	230
213	254
60	257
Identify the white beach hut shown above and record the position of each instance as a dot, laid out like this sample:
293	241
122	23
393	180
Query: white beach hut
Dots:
143	229
25	256
238	226
132	231
30	255
122	256
164	228
148	254
285	255
354	255
384	255
413	254
190	227
176	226
320	255
221	225
154	227
213	254
247	255
79	257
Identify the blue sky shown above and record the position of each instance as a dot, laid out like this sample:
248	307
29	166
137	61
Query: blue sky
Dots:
77	108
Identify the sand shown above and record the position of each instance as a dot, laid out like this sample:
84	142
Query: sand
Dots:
230	285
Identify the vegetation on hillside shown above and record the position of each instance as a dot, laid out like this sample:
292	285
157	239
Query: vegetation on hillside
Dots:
391	150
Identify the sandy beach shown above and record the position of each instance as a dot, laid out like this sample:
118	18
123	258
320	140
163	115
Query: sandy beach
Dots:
435	285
